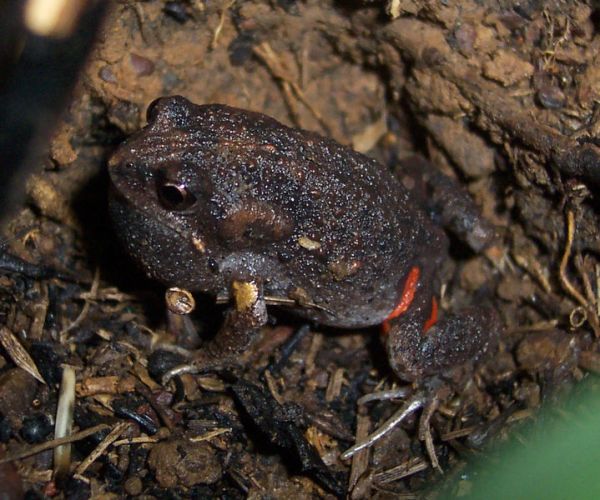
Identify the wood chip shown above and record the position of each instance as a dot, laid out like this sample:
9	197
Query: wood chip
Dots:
335	385
211	383
106	385
401	471
315	347
40	310
18	354
360	461
272	385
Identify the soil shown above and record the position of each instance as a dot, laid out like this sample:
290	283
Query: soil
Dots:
503	96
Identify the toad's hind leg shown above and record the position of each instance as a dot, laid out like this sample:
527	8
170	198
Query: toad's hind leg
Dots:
446	201
419	345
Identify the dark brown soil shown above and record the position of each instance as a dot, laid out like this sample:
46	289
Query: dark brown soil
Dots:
502	95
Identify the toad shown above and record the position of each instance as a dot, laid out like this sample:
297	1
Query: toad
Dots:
233	203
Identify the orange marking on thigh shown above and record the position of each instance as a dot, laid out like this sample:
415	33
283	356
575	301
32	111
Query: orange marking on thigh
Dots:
408	295
433	317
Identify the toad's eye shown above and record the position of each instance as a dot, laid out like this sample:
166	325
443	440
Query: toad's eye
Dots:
174	196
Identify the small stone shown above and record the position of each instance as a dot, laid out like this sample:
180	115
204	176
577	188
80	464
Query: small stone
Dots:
514	288
17	390
133	486
546	352
36	428
183	463
141	65
465	37
551	97
106	74
474	274
177	11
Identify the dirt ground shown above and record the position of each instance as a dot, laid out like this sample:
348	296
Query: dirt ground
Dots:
504	96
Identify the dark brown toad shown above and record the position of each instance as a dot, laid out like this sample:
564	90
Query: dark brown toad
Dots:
212	198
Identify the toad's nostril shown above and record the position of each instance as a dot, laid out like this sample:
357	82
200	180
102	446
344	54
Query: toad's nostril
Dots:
119	172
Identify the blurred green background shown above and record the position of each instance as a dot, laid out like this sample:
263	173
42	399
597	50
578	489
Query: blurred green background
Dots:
554	456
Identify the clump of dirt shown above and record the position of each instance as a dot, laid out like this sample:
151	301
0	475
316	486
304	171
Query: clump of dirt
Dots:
501	96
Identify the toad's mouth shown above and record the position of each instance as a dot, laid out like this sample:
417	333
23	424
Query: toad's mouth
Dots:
166	253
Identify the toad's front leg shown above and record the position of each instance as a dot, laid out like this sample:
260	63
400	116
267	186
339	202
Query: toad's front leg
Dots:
242	323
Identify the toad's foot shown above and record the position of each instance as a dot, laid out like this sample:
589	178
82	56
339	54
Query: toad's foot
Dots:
429	400
202	363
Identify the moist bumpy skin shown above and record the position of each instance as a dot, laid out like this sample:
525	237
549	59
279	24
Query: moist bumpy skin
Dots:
301	213
207	195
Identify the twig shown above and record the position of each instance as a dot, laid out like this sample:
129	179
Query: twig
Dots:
539	326
86	306
533	267
136	440
210	435
587	284
408	408
272	385
48	445
564	280
399	393
219	28
425	432
315	346
148	396
278	69
334	387
104	444
416	38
